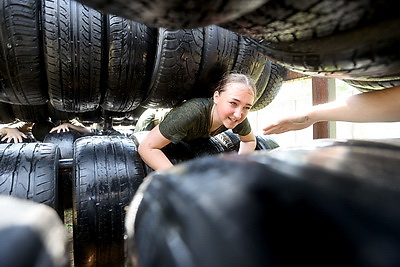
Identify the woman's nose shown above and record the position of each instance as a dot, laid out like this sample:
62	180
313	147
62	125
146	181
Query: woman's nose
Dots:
238	113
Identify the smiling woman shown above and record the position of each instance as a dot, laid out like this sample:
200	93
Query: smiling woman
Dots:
203	118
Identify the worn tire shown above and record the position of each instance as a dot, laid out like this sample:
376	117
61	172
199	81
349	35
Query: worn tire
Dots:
31	235
30	171
262	80
272	88
265	142
368	84
106	174
130	61
338	39
176	67
6	113
231	141
220	51
65	142
21	64
258	210
249	60
176	13
74	54
31	113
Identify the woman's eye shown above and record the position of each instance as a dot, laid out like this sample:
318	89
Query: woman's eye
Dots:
232	103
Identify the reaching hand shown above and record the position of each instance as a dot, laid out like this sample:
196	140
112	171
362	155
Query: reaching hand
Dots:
290	123
14	135
61	128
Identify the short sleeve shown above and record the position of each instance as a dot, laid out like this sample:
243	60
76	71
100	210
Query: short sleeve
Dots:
243	128
182	121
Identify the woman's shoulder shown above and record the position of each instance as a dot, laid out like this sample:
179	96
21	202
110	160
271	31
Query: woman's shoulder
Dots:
191	109
197	102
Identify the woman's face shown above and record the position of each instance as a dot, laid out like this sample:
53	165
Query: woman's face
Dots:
233	104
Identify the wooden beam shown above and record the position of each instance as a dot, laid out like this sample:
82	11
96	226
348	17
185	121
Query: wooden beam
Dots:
294	76
320	95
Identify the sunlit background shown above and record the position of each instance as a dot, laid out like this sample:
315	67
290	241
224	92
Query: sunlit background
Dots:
296	96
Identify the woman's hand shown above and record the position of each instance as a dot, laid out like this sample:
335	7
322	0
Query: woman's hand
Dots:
247	143
13	134
289	123
61	128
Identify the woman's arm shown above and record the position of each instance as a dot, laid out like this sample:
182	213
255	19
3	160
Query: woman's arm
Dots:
374	106
150	150
247	143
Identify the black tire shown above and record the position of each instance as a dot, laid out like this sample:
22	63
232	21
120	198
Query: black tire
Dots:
130	61
263	80
390	144
259	209
220	51
72	37
176	67
31	235
249	60
339	39
21	66
176	13
202	147
229	140
30	171
265	142
6	113
272	88
94	116
372	161
366	85
64	141
57	115
107	172
37	113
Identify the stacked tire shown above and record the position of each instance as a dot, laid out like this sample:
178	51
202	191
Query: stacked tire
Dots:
327	204
30	171
65	59
106	174
354	40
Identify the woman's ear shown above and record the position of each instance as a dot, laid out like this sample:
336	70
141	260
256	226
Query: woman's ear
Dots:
216	96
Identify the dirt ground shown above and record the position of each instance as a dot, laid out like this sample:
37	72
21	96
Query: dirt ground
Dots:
68	222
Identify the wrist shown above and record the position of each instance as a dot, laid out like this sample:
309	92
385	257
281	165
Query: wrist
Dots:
313	116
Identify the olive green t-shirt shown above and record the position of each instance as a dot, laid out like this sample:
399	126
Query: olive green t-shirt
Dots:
191	120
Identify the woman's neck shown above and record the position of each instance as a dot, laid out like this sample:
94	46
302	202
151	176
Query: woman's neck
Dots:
215	123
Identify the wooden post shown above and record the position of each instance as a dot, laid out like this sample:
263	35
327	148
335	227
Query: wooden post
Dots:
320	95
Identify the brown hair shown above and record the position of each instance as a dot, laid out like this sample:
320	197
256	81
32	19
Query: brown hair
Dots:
236	78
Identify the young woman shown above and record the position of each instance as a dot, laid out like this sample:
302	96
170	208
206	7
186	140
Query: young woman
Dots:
204	117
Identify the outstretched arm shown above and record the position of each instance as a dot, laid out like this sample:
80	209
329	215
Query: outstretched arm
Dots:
150	150
374	106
